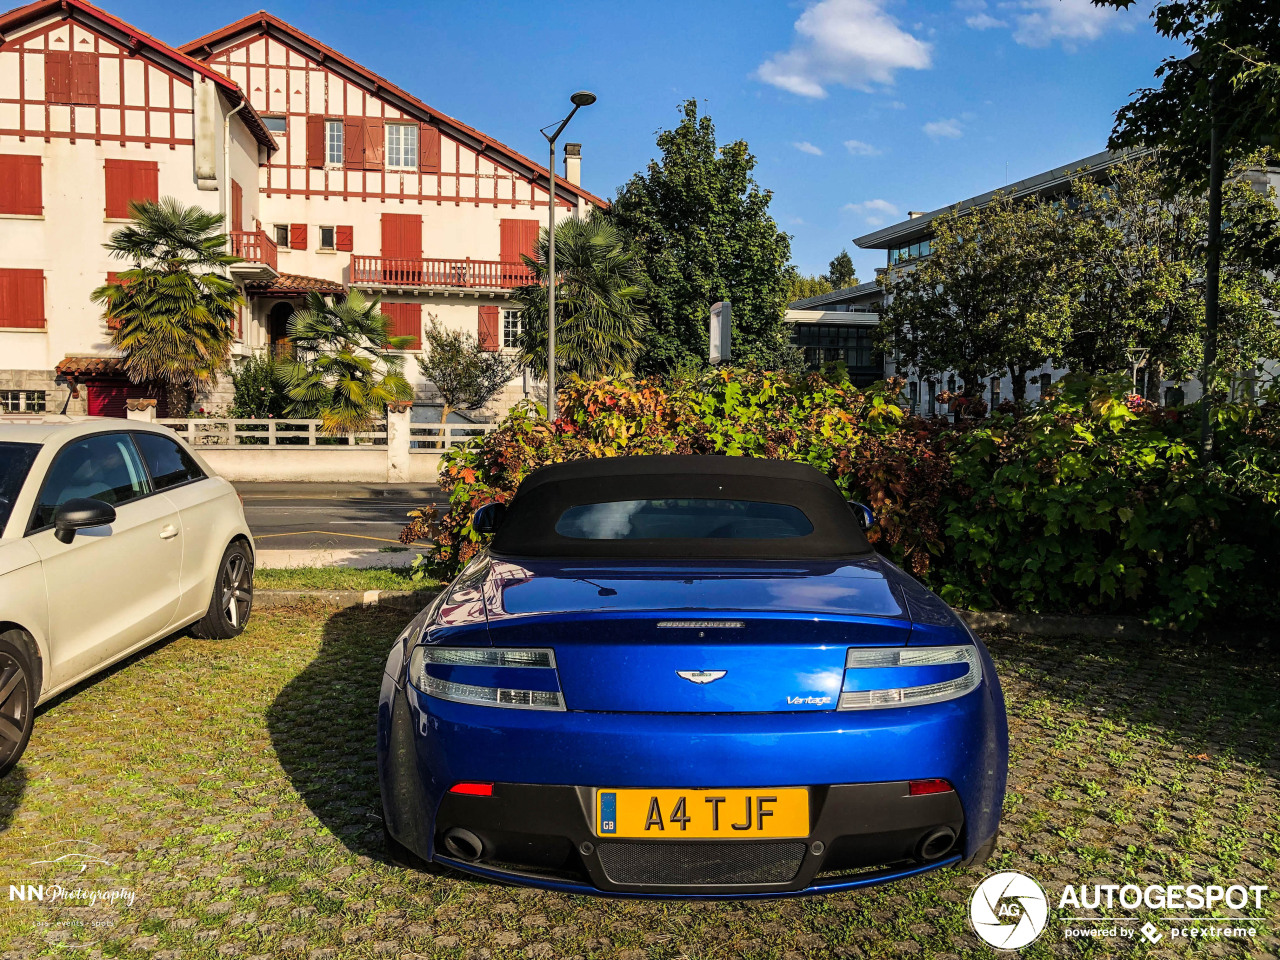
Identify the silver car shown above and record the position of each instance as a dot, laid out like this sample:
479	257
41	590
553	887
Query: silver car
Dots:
113	534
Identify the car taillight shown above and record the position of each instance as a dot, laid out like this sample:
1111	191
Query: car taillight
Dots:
518	678
877	677
473	789
922	788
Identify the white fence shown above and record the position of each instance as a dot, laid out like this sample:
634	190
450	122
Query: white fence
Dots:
203	433
395	450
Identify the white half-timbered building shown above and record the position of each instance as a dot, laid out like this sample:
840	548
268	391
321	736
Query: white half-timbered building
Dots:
331	177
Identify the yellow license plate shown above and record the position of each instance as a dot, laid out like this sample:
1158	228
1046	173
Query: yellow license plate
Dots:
778	812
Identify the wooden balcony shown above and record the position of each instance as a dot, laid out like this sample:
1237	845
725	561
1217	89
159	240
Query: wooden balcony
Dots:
465	274
257	252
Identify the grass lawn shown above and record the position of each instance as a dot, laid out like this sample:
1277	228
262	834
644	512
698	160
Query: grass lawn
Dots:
338	578
230	787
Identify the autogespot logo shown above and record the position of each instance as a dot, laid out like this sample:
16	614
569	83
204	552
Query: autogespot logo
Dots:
1008	910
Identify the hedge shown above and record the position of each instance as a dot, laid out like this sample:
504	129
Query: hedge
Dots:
1087	501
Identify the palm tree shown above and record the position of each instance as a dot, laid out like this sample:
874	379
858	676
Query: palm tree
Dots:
599	319
344	374
170	314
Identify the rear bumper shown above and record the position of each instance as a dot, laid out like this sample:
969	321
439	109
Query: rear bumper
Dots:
545	765
542	835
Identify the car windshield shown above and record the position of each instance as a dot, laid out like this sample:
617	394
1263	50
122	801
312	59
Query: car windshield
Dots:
682	518
15	462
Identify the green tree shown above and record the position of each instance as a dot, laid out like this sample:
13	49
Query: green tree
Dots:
993	297
802	287
465	374
702	226
258	391
171	312
1144	268
840	272
345	373
600	318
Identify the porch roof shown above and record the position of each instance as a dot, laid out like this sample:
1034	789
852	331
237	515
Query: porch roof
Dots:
292	285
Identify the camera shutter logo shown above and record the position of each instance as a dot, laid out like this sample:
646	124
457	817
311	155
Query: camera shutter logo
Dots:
1008	910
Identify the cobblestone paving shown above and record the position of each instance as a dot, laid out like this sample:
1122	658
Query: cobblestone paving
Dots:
229	788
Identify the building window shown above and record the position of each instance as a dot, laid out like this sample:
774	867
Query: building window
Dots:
326	238
510	329
333	141
279	126
402	145
933	398
22	401
910	251
1046	381
854	345
280	233
995	392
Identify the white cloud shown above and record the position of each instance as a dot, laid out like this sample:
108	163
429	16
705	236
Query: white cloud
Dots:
851	43
984	21
860	149
875	212
804	146
1039	23
943	129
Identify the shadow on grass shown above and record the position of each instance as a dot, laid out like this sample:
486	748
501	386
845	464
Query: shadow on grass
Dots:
12	786
323	724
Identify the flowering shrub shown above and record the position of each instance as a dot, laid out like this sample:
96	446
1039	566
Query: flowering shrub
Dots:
1084	502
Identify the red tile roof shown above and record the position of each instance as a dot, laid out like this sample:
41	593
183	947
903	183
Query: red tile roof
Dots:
88	366
290	284
130	36
265	23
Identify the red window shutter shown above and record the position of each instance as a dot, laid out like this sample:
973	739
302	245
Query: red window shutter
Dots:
20	187
237	206
428	148
402	235
343	239
297	236
57	77
129	180
353	144
375	144
406	321
517	238
22	298
84	78
316	147
487	333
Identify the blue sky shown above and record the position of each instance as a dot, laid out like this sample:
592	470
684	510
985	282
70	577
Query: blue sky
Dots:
857	110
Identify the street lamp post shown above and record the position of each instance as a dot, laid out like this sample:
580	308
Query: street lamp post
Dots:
583	98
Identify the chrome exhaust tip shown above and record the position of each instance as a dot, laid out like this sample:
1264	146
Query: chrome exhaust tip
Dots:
463	844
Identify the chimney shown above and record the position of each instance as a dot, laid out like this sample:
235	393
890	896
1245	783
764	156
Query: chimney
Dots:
912	214
573	163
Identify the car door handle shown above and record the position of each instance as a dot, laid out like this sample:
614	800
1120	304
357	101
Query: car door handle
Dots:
168	531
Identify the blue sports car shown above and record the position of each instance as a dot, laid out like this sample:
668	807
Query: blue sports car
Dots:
691	677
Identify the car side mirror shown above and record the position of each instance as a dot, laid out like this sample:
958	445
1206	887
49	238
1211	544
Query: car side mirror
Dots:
863	513
80	513
488	518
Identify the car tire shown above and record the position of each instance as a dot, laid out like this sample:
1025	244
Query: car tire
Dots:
232	599
19	688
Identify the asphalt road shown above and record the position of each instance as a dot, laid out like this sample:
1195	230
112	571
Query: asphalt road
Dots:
327	516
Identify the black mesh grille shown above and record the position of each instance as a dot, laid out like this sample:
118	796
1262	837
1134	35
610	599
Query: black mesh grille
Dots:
712	864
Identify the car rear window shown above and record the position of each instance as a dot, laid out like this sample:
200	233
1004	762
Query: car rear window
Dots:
679	507
15	464
682	519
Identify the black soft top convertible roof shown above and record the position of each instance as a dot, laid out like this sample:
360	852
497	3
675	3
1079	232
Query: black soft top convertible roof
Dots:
529	527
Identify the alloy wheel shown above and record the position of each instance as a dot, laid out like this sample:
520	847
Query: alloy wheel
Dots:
14	715
237	589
